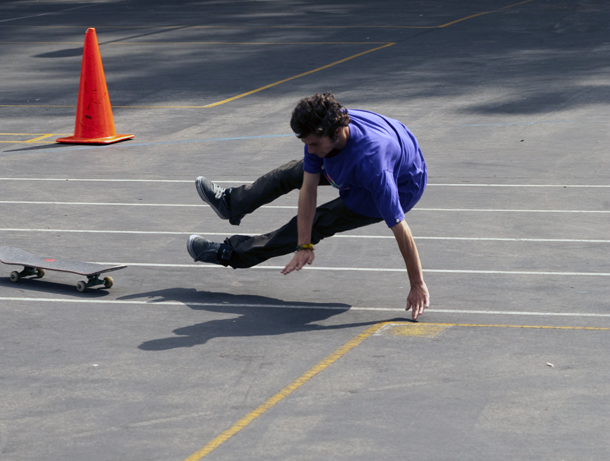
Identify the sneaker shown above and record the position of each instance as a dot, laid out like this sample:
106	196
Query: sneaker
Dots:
203	250
213	195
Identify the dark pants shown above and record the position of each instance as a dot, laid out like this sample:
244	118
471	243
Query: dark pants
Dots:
247	251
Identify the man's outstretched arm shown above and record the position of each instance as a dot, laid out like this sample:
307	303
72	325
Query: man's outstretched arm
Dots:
419	298
308	196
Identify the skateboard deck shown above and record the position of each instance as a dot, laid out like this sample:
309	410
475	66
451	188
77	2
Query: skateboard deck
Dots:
36	266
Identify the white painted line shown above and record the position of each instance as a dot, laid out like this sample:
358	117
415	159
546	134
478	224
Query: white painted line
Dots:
474	239
365	269
492	239
154	181
496	210
86	231
561	274
382	237
241	181
25	202
292	306
559	186
172	205
525	313
179	205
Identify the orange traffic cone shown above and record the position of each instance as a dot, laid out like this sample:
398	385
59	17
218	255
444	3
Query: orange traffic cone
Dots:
94	122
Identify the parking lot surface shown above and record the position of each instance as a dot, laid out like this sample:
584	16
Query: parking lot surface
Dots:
187	361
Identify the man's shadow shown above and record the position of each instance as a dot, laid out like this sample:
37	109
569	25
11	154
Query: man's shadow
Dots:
257	316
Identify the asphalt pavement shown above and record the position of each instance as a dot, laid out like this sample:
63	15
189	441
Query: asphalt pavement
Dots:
187	361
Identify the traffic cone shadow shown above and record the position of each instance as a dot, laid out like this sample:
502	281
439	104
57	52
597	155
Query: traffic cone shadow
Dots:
94	121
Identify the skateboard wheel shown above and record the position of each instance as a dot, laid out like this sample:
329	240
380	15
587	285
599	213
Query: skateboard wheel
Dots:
81	287
108	282
14	276
40	273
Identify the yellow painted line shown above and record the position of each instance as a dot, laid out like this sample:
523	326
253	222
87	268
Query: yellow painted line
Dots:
293	386
534	327
34	105
428	329
24	142
24	134
44	136
362	26
297	76
114	105
405	328
40	43
421	330
242	27
270	43
159	107
193	43
238	96
481	14
244	43
36	140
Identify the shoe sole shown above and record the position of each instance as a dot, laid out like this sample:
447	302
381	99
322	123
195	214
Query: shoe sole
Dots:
189	246
204	197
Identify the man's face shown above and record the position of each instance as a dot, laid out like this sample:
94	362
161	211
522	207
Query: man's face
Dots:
319	145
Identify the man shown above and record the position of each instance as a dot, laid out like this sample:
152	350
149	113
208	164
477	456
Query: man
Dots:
374	161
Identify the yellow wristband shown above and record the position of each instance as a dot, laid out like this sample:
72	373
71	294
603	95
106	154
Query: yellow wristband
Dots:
305	246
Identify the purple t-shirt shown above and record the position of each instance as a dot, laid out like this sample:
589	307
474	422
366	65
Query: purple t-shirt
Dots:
380	172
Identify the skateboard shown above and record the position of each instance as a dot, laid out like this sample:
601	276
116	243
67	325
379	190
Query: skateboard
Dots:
36	266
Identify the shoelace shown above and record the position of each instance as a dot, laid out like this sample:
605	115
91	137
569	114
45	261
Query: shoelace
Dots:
218	191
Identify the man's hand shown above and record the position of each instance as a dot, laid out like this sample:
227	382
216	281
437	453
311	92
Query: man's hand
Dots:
418	300
305	216
299	260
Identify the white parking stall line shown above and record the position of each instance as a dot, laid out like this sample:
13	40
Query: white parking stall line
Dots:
364	269
187	205
170	205
504	210
241	181
151	303
553	186
379	237
153	181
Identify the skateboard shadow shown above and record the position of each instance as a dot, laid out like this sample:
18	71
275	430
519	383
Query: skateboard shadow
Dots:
256	316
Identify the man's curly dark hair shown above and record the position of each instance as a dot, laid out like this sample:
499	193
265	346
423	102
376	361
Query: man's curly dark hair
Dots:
319	114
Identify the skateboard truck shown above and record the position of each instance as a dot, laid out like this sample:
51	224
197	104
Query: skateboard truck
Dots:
93	281
26	272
